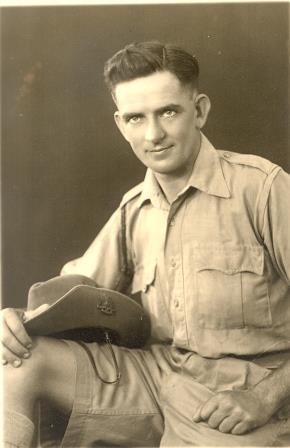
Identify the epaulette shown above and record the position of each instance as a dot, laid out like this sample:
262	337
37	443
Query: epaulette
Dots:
251	160
131	194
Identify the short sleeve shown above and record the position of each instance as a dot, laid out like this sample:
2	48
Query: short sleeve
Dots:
276	223
103	260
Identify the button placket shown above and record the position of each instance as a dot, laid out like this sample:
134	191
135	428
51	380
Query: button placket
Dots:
175	277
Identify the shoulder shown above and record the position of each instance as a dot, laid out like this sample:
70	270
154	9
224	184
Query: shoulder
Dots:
132	194
253	162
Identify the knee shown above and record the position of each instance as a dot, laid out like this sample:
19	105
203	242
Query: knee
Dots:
28	379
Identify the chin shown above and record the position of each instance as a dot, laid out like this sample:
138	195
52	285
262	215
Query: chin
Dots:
166	171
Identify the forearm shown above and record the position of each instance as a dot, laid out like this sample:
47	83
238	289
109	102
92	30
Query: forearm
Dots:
274	390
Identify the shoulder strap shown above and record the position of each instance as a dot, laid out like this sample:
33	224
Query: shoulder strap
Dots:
126	270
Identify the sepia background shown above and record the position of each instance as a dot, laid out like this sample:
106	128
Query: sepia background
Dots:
64	163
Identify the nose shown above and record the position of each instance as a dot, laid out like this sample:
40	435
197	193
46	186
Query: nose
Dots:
154	131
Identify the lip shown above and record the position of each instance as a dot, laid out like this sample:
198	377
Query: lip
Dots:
159	150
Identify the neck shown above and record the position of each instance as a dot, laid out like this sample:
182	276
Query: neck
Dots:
173	183
171	186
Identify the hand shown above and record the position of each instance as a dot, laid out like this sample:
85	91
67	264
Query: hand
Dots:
16	343
235	412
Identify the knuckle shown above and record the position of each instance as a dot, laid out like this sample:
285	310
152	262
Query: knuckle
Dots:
226	408
11	344
227	401
212	423
204	413
3	316
6	339
7	311
247	419
18	326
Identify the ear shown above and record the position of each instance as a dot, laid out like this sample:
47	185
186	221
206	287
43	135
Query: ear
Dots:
202	104
120	124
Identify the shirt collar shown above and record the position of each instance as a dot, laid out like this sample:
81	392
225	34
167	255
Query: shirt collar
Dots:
151	190
207	176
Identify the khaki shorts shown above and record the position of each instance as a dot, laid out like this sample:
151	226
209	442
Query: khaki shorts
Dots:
154	401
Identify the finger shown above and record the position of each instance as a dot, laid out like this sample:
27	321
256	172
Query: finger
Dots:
14	322
196	416
208	408
10	342
241	428
33	313
10	358
228	424
216	418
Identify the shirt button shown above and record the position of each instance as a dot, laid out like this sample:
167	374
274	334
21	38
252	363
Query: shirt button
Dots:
172	222
176	303
227	155
173	263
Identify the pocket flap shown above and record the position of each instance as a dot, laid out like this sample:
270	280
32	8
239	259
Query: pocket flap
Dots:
231	260
143	277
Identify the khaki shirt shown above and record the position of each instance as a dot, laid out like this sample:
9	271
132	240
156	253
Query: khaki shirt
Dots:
213	268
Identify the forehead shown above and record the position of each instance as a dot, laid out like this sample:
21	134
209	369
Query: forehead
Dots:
150	92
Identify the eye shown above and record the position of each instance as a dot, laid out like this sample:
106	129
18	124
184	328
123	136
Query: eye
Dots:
135	119
170	113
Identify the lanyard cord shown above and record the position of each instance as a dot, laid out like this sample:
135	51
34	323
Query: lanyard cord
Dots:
117	370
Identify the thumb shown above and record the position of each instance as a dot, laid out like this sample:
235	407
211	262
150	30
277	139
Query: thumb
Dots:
33	313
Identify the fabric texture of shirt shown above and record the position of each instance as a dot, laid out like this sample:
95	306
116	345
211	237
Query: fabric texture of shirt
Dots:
213	267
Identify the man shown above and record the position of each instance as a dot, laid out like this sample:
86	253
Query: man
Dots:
207	245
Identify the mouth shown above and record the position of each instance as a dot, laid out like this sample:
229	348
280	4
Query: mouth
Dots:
160	149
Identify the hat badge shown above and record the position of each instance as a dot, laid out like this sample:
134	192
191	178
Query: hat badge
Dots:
106	306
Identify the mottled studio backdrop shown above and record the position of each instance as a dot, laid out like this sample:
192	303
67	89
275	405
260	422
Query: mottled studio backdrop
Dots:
64	164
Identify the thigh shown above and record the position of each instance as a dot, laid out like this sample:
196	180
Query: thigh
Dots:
49	374
56	383
125	413
181	396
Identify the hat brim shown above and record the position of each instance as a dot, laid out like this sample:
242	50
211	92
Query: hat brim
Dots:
85	312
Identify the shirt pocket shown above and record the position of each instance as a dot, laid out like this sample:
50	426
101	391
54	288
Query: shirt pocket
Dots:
232	291
144	277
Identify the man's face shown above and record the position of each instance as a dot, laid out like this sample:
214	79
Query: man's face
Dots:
160	119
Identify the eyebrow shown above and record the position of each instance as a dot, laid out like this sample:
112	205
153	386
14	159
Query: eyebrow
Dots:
160	110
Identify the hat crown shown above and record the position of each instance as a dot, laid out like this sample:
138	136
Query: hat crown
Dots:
55	288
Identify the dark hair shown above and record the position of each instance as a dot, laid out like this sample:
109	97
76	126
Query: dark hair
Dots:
144	58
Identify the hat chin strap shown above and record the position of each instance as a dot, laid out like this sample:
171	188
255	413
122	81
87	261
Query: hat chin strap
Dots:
117	370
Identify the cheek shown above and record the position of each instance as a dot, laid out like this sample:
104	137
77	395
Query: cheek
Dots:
135	139
180	130
186	133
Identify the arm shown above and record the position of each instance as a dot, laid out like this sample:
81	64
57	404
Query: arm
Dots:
241	411
106	260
